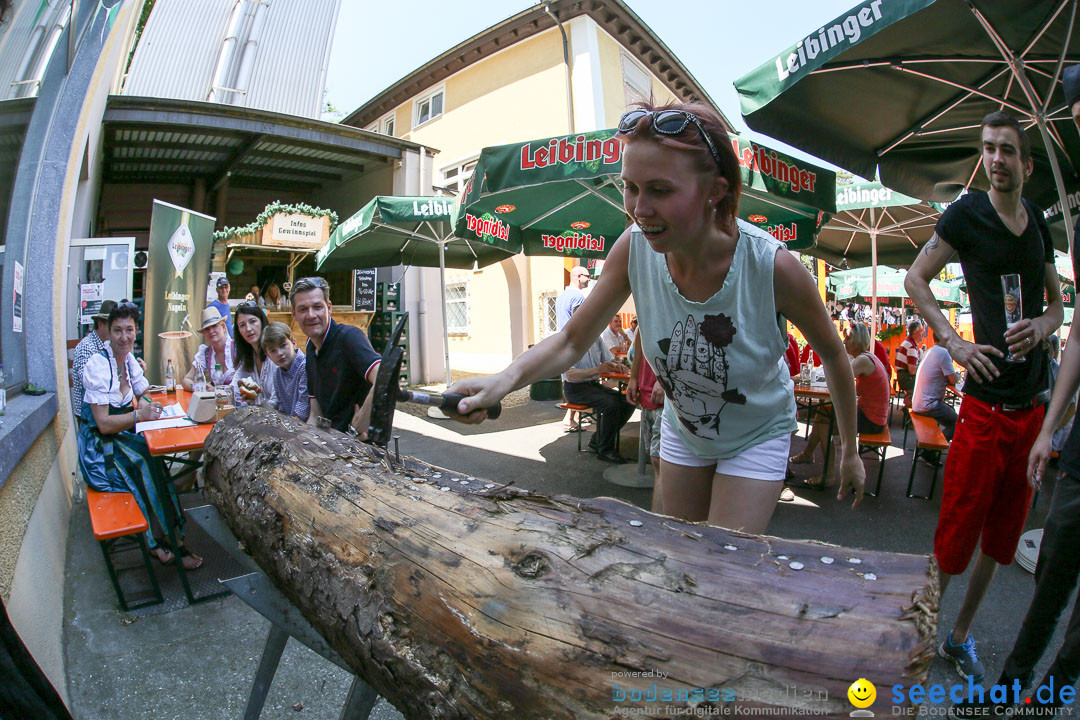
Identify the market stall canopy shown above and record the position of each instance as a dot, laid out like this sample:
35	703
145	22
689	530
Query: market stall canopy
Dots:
393	230
897	90
561	196
868	214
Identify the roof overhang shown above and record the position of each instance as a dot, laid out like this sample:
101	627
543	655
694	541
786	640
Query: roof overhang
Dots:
177	141
613	16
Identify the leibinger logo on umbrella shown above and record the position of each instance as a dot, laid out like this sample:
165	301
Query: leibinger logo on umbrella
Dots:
848	29
486	226
768	163
758	219
433	207
579	225
782	232
505	209
561	151
577	241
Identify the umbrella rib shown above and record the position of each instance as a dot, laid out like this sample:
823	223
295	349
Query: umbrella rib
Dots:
1064	51
769	199
950	106
1046	26
971	90
557	208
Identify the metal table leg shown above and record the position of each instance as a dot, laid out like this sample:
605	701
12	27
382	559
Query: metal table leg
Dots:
634	476
268	664
255	589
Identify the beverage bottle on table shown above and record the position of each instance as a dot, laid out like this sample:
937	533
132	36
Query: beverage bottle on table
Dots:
170	377
208	384
3	392
220	391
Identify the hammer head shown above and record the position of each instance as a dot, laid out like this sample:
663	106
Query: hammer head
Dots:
386	388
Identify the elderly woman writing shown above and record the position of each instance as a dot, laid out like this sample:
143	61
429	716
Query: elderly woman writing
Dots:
871	387
112	457
215	355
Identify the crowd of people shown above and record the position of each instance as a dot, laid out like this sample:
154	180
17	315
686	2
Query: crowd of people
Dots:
712	366
258	361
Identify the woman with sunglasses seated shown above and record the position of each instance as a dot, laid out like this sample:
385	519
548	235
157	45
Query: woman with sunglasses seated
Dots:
112	457
253	381
712	293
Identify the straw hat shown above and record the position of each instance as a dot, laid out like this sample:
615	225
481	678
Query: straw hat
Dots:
210	316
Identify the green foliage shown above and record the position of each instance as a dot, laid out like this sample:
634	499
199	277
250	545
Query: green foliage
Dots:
890	332
230	233
148	5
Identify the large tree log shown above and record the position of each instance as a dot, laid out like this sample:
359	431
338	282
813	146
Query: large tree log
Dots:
459	598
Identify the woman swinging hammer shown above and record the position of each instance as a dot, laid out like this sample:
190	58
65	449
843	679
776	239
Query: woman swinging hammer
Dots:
712	293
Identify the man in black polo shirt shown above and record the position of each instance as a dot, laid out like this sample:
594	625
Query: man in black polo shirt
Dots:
341	364
1008	261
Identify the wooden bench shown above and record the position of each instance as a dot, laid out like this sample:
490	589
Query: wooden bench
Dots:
118	523
878	442
584	413
929	438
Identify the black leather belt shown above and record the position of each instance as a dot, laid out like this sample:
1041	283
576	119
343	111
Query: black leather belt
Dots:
1040	399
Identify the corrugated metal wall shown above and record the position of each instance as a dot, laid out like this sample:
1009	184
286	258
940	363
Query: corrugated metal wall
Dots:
179	50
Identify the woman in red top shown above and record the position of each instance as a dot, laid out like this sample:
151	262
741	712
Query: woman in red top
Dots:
871	387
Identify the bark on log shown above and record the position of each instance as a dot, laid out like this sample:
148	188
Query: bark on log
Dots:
459	598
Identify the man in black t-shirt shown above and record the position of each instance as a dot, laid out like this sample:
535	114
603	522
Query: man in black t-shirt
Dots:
1005	250
1059	553
341	364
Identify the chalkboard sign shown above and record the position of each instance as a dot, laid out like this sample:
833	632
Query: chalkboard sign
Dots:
363	287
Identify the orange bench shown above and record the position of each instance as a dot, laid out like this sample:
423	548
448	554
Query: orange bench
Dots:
584	412
876	442
929	438
115	519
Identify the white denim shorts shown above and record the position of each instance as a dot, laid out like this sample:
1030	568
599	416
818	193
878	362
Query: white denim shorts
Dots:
765	461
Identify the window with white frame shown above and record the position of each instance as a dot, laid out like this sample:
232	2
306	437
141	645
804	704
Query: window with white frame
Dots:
547	316
637	86
387	125
457	308
456	176
428	108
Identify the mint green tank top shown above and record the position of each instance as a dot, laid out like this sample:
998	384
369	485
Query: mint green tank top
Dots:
721	362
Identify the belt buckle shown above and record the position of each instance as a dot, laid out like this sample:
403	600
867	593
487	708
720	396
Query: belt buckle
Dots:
1018	406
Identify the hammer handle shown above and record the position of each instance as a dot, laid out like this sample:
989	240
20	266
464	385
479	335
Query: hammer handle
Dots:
448	403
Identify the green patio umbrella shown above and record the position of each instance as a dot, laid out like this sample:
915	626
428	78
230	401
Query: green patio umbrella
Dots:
418	231
897	90
890	285
560	196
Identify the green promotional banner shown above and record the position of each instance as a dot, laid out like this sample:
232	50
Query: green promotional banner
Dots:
177	271
561	196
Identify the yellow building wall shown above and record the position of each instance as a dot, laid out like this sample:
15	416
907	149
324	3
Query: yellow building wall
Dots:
515	95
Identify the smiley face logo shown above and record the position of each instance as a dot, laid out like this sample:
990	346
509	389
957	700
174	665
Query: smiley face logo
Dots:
862	693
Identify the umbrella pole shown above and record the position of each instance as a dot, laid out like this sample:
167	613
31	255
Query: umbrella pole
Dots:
442	304
873	279
1058	180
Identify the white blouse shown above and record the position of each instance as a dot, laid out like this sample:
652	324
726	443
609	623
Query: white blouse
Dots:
226	375
101	380
265	380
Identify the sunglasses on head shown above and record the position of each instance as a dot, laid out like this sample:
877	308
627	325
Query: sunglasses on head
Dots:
667	122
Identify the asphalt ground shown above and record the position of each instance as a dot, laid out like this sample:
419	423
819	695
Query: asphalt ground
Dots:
199	661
